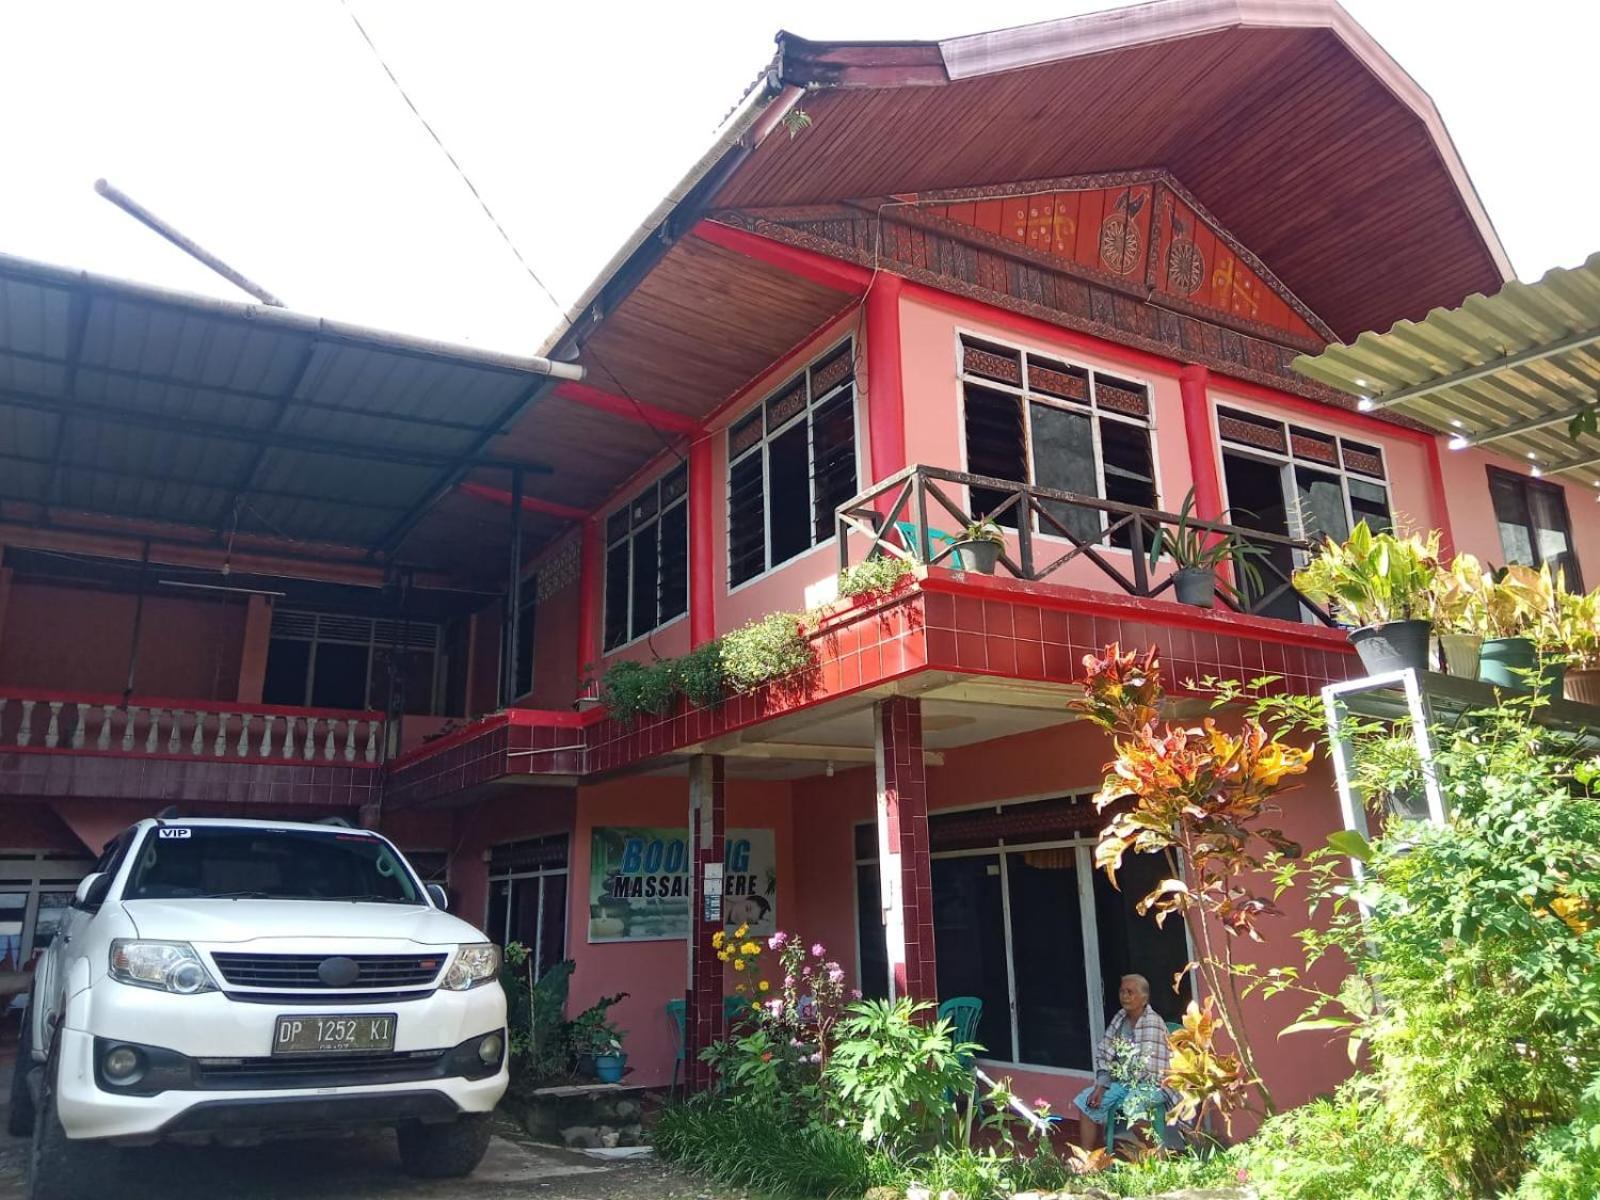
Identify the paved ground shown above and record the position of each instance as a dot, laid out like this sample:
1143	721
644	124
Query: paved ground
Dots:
368	1167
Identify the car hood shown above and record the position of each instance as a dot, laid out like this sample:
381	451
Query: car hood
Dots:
252	920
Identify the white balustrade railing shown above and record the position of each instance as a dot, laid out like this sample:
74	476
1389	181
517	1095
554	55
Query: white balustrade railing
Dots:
172	730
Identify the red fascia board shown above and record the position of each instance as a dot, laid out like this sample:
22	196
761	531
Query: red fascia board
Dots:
629	410
500	496
815	268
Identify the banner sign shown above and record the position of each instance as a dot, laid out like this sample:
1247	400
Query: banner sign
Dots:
639	884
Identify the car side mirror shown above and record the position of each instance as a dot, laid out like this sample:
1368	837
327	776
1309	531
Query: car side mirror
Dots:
440	898
91	893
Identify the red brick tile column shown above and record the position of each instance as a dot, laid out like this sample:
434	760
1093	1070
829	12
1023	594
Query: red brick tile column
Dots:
703	1020
905	878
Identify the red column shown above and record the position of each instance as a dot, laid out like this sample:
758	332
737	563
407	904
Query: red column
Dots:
702	562
886	424
588	598
1439	499
905	877
703	1019
1192	384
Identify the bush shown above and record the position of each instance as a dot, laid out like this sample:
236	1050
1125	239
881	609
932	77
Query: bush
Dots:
631	688
1566	1158
770	648
874	575
892	1076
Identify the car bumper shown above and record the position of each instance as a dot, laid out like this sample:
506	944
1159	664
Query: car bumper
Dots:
217	1064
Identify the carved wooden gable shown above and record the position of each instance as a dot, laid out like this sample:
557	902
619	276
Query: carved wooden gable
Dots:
1141	231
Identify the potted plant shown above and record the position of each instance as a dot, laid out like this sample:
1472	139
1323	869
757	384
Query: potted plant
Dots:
1522	621
981	544
597	1043
1196	551
610	1060
1458	600
1579	627
1382	584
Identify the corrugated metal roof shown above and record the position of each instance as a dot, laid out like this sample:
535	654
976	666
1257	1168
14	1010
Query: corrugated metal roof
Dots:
1507	372
134	401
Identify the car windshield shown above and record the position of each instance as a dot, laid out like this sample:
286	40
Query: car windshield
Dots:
186	862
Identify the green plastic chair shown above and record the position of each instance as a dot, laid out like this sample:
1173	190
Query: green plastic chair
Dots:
678	1012
1158	1122
964	1014
908	538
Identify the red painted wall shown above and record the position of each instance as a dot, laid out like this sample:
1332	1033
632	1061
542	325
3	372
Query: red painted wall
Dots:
77	639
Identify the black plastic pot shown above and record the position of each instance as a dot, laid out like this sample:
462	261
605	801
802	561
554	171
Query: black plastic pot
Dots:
980	554
1196	586
1392	646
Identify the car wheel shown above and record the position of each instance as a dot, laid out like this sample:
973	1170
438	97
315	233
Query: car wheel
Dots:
446	1151
58	1167
19	1116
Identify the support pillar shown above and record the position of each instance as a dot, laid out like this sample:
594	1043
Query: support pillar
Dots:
1193	383
589	601
513	605
702	563
703	1016
904	872
886	418
253	655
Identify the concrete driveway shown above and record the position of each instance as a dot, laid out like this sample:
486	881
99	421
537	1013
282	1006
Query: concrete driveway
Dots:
364	1166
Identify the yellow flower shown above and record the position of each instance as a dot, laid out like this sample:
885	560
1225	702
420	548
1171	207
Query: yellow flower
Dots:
739	989
741	931
738	964
755	1006
725	955
763	986
749	949
716	939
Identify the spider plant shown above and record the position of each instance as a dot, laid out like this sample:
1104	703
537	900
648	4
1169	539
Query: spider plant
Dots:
1194	545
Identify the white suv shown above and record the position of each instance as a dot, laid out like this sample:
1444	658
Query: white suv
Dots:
225	980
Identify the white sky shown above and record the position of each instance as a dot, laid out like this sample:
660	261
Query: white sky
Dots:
266	130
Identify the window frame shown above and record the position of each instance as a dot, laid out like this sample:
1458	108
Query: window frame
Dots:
607	545
35	874
510	875
1528	484
436	652
803	372
1090	408
1094	981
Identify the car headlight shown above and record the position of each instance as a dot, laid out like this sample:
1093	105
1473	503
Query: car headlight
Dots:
165	966
473	965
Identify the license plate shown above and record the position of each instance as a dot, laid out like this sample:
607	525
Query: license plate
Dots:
334	1034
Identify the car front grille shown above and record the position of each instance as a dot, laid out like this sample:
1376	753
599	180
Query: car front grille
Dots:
289	972
343	1070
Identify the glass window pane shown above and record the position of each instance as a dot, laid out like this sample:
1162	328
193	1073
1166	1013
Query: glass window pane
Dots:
1063	458
1129	469
1370	503
1548	507
616	595
13	905
747	519
970	937
789	493
494	923
646	580
285	680
1047	958
874	980
674	562
553	922
1512	515
339	676
1321	505
833	440
994	446
1132	945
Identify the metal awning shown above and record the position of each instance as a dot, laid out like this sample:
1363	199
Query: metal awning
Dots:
1507	372
135	402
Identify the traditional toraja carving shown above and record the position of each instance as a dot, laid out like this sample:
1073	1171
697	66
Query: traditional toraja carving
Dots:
559	569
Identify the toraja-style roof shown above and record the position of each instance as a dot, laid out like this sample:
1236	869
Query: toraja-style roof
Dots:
1508	372
1302	136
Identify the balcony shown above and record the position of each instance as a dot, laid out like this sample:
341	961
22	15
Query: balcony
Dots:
1055	537
56	743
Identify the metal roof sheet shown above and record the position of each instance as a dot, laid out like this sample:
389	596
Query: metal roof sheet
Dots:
1507	372
133	401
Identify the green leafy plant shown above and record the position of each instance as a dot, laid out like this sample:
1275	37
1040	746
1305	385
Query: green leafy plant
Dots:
766	649
892	1071
880	574
592	1032
1373	578
631	688
539	1045
1566	1158
1191	545
700	675
984	530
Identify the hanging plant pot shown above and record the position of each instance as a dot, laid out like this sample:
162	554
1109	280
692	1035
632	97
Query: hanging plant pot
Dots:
608	1068
1502	660
1392	646
1461	653
980	554
1583	685
1196	586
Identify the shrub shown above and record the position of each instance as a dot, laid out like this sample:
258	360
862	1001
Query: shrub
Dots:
631	688
891	1074
699	675
1566	1158
770	648
879	574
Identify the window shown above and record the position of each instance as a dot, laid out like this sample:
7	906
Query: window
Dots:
528	898
1301	483
647	560
1023	922
328	660
791	463
1037	420
1534	527
35	892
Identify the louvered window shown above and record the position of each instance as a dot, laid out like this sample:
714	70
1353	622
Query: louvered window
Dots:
332	660
1037	420
792	463
647	560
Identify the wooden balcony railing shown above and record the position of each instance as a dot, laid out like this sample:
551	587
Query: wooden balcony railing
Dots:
1048	529
35	720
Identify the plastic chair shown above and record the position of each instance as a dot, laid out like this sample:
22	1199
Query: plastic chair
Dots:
678	1011
964	1014
908	538
1158	1124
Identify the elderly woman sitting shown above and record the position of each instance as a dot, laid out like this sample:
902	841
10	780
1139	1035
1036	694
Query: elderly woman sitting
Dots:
1141	1028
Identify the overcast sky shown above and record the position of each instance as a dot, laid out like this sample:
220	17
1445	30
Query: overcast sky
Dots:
268	132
